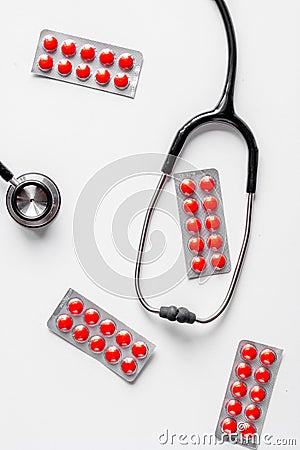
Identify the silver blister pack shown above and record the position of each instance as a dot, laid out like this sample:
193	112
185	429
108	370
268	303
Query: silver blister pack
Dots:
101	335
203	230
54	64
248	393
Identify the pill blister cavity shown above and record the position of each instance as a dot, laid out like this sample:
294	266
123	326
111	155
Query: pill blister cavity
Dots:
252	412
187	186
247	430
190	206
97	344
210	204
102	76
87	52
212	222
107	57
234	408
64	323
80	333
139	350
75	306
207	184
64	67
123	338
112	355
267	357
45	63
218	261
248	352
257	394
107	327
50	43
229	426
126	61
196	245
238	389
243	371
193	225
215	242
68	48
262	375
91	317
121	80
83	71
128	366
198	264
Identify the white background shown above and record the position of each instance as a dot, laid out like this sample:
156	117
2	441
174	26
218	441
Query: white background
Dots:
54	397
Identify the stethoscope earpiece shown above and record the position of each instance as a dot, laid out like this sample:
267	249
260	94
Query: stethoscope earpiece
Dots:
33	200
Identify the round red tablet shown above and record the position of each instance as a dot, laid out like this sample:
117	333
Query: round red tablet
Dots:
196	245
64	67
128	366
248	352
198	264
45	63
75	306
257	394
83	71
262	375
187	186
218	261
81	333
238	389
123	338
193	225
207	184
139	350
112	355
107	327
243	370
50	43
234	408
88	52
214	241
97	344
267	357
190	206
121	80
64	322
247	430
91	316
68	48
252	412
229	426
212	223
102	76
107	57
126	61
210	204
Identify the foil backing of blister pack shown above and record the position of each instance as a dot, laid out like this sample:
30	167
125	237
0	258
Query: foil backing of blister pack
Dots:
207	253
136	353
247	400
114	69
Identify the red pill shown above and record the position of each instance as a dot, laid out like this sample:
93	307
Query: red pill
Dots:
252	412
139	350
187	186
107	57
243	370
91	316
88	52
207	184
190	206
262	375
248	352
75	306
112	355
196	245
123	338
210	204
64	322
50	43
238	389
45	63
198	264
247	430
128	366
107	327
229	426
212	223
97	344
214	241
257	394
193	225
64	67
68	48
121	80
267	357
83	71
234	408
126	61
102	76
218	261
81	333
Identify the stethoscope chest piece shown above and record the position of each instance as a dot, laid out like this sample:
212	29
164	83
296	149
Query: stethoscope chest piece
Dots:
33	200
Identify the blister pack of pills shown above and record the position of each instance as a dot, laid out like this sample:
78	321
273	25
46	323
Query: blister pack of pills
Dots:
202	222
100	335
248	393
88	63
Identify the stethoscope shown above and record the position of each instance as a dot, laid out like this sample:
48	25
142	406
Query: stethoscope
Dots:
223	113
33	199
